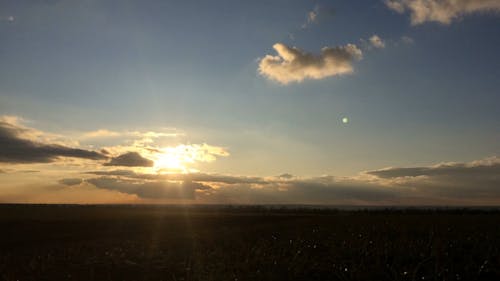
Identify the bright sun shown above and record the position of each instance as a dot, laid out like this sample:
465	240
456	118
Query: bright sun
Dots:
184	156
169	161
175	158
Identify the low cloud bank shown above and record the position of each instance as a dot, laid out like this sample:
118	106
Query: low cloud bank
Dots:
476	182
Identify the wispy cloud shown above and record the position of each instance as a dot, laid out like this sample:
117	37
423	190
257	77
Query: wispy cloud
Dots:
407	40
318	14
311	17
295	65
7	18
442	11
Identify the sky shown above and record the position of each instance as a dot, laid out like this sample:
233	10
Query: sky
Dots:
359	102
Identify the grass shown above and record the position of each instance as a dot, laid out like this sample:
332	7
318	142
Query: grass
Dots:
62	242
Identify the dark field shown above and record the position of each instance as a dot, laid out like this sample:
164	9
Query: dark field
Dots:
245	243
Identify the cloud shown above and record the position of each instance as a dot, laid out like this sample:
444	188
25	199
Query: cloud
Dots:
377	42
198	177
295	65
15	147
477	179
241	189
71	181
285	176
101	133
311	17
476	182
317	14
486	167
442	11
130	159
150	189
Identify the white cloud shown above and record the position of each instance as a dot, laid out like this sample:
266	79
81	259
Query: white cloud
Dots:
443	11
294	65
377	42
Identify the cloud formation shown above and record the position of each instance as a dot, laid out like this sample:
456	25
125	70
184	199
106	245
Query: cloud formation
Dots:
442	11
71	181
318	14
150	189
15	148
130	159
377	42
294	65
477	179
198	177
482	168
237	189
477	182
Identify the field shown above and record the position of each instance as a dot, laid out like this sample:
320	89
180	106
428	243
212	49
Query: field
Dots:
64	242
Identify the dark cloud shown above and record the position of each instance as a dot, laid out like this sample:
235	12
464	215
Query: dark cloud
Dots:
478	179
127	173
130	159
306	191
14	149
452	169
150	189
197	177
450	183
71	181
239	189
329	189
285	176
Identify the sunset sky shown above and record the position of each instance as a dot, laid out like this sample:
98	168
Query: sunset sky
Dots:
359	102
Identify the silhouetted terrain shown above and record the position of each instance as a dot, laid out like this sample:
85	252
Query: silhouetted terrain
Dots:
64	242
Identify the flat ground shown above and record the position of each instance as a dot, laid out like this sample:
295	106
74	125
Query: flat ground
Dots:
40	242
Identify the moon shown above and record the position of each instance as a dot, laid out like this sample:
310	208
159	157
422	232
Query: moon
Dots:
345	120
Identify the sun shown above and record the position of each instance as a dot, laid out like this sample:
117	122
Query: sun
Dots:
184	157
176	158
169	161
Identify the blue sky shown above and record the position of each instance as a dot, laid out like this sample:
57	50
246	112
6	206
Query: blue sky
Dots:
430	95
